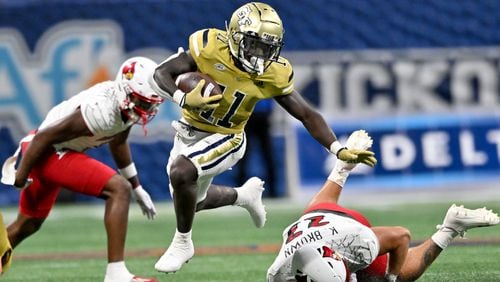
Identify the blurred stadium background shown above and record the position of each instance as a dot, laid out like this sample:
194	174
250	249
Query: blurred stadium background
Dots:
422	77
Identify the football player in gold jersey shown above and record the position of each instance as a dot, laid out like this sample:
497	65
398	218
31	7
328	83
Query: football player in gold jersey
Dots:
5	248
245	61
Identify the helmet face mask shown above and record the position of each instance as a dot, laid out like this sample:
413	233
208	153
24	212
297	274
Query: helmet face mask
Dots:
140	109
253	47
141	103
255	36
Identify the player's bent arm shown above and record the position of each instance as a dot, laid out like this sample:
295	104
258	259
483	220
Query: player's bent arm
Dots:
394	240
329	193
312	120
120	151
162	80
73	126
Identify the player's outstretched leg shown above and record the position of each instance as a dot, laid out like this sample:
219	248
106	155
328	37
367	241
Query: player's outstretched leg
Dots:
460	219
250	198
456	222
180	251
5	248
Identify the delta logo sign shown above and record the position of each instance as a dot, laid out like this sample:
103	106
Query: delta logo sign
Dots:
434	115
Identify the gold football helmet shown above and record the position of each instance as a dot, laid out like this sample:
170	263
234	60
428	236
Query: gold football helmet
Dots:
255	34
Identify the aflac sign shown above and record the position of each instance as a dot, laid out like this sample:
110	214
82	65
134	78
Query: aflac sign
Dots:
68	58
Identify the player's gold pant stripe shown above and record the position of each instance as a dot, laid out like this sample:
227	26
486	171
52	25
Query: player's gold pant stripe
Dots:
218	151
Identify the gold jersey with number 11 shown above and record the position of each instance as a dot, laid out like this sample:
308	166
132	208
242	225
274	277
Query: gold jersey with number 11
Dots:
241	90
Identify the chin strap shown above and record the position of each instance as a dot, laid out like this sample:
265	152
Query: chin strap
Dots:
128	112
144	121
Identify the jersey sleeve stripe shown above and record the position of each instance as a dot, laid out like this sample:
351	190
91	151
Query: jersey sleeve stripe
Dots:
205	38
197	37
288	89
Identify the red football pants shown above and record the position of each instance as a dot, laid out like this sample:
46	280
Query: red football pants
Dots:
72	170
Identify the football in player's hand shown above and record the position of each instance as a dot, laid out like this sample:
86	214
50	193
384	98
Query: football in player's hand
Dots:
187	81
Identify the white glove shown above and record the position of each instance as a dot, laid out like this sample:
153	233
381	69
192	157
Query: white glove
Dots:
144	200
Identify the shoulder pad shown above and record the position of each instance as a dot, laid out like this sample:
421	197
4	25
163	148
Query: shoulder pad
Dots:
200	40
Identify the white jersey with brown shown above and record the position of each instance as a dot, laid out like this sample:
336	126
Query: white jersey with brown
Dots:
356	243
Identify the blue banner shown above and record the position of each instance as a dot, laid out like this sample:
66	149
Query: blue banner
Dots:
413	152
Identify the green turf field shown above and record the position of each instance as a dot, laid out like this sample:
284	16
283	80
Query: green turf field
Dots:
71	244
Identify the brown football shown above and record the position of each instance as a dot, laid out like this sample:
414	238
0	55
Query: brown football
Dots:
187	81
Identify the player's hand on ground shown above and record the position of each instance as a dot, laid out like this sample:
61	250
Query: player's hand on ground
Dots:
357	156
195	99
144	200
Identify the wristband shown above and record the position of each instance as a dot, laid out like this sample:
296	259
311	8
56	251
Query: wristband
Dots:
336	147
128	171
179	97
339	176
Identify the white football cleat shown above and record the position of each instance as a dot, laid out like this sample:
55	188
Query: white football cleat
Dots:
461	219
250	198
179	252
358	140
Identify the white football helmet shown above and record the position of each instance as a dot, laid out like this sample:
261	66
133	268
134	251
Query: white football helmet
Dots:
141	104
255	34
318	264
